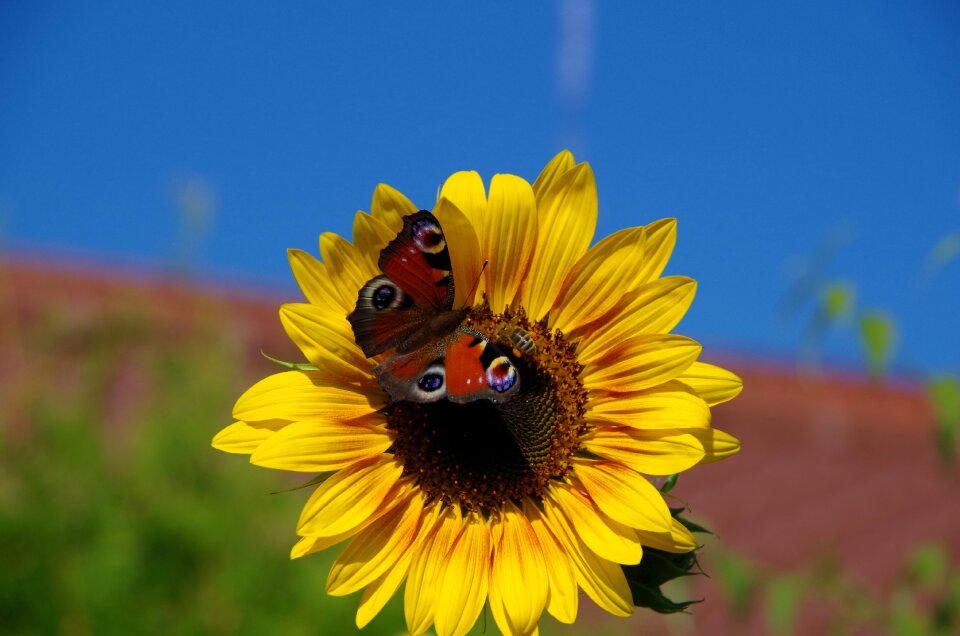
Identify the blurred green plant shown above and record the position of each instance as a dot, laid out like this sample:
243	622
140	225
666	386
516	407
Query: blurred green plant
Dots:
878	333
133	525
944	394
834	304
925	599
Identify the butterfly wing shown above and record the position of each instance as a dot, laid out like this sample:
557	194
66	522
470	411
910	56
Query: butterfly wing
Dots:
410	309
393	309
385	317
463	367
418	261
417	376
475	369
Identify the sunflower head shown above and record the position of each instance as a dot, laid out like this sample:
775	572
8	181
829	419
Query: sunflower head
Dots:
488	421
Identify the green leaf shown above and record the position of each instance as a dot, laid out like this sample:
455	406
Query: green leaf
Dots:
838	299
946	615
928	565
944	395
295	366
878	332
783	597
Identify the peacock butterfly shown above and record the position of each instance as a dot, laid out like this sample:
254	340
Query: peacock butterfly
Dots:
408	311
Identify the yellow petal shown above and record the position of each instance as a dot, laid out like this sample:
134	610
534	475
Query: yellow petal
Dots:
509	236
378	548
602	580
322	446
679	539
349	497
316	284
562	597
598	280
669	405
518	576
656	307
648	452
566	220
714	384
609	539
464	248
389	207
641	362
423	580
623	494
661	237
305	546
464	587
242	438
346	266
370	236
717	444
465	190
311	545
326	340
377	593
299	395
560	164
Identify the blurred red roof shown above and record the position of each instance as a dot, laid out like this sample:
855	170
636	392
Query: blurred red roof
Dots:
832	465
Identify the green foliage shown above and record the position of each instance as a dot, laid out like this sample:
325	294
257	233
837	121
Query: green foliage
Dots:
878	334
928	566
925	599
133	524
944	396
838	301
739	581
783	594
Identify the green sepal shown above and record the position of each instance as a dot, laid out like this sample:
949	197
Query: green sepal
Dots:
654	599
669	483
319	479
295	366
686	523
656	568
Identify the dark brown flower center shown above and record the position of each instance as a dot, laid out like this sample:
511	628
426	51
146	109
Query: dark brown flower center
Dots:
482	454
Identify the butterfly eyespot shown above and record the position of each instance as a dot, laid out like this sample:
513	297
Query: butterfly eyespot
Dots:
501	375
383	296
430	382
428	236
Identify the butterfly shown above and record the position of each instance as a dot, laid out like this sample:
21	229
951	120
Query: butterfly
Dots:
408	311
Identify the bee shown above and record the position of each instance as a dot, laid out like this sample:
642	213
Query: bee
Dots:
521	341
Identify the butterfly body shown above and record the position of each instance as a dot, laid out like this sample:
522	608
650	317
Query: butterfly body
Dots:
407	312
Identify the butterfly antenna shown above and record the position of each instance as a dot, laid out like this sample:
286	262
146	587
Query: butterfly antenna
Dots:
476	283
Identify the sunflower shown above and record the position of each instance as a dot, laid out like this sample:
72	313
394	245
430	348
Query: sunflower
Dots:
514	504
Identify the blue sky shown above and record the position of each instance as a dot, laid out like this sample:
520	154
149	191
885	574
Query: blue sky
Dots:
766	128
